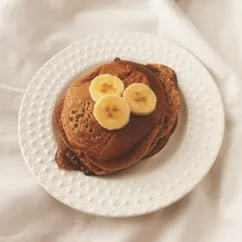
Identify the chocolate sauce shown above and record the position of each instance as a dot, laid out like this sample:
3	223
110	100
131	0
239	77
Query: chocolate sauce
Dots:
68	160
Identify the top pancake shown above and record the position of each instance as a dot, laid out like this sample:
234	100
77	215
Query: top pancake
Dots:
153	143
85	134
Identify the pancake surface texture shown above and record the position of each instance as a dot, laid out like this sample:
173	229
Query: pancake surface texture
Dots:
92	149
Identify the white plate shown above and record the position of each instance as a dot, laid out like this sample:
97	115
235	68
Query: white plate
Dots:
150	184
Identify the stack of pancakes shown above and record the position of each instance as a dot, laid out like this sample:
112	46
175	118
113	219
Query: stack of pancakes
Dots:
88	147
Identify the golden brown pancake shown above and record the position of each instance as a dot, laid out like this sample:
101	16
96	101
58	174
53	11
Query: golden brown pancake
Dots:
68	160
160	144
168	78
85	134
101	151
84	164
65	149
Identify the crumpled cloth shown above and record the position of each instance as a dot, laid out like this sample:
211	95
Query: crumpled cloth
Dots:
32	31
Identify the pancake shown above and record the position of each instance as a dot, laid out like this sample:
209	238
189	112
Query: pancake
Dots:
68	160
160	144
169	80
150	141
83	131
64	146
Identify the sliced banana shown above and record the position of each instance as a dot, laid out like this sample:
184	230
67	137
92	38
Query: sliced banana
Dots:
141	99
105	84
112	112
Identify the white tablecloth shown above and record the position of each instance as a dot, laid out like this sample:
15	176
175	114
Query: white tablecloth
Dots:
31	31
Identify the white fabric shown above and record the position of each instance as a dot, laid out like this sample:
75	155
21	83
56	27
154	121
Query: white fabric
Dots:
32	31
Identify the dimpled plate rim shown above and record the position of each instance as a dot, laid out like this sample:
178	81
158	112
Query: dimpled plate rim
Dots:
126	195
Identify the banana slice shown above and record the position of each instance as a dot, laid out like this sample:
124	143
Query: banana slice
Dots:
112	112
105	84
141	99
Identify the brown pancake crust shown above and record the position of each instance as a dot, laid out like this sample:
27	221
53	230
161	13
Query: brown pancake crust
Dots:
155	141
160	144
85	134
84	165
68	160
64	146
169	80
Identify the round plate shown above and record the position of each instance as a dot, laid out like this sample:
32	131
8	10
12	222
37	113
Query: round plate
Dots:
150	184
